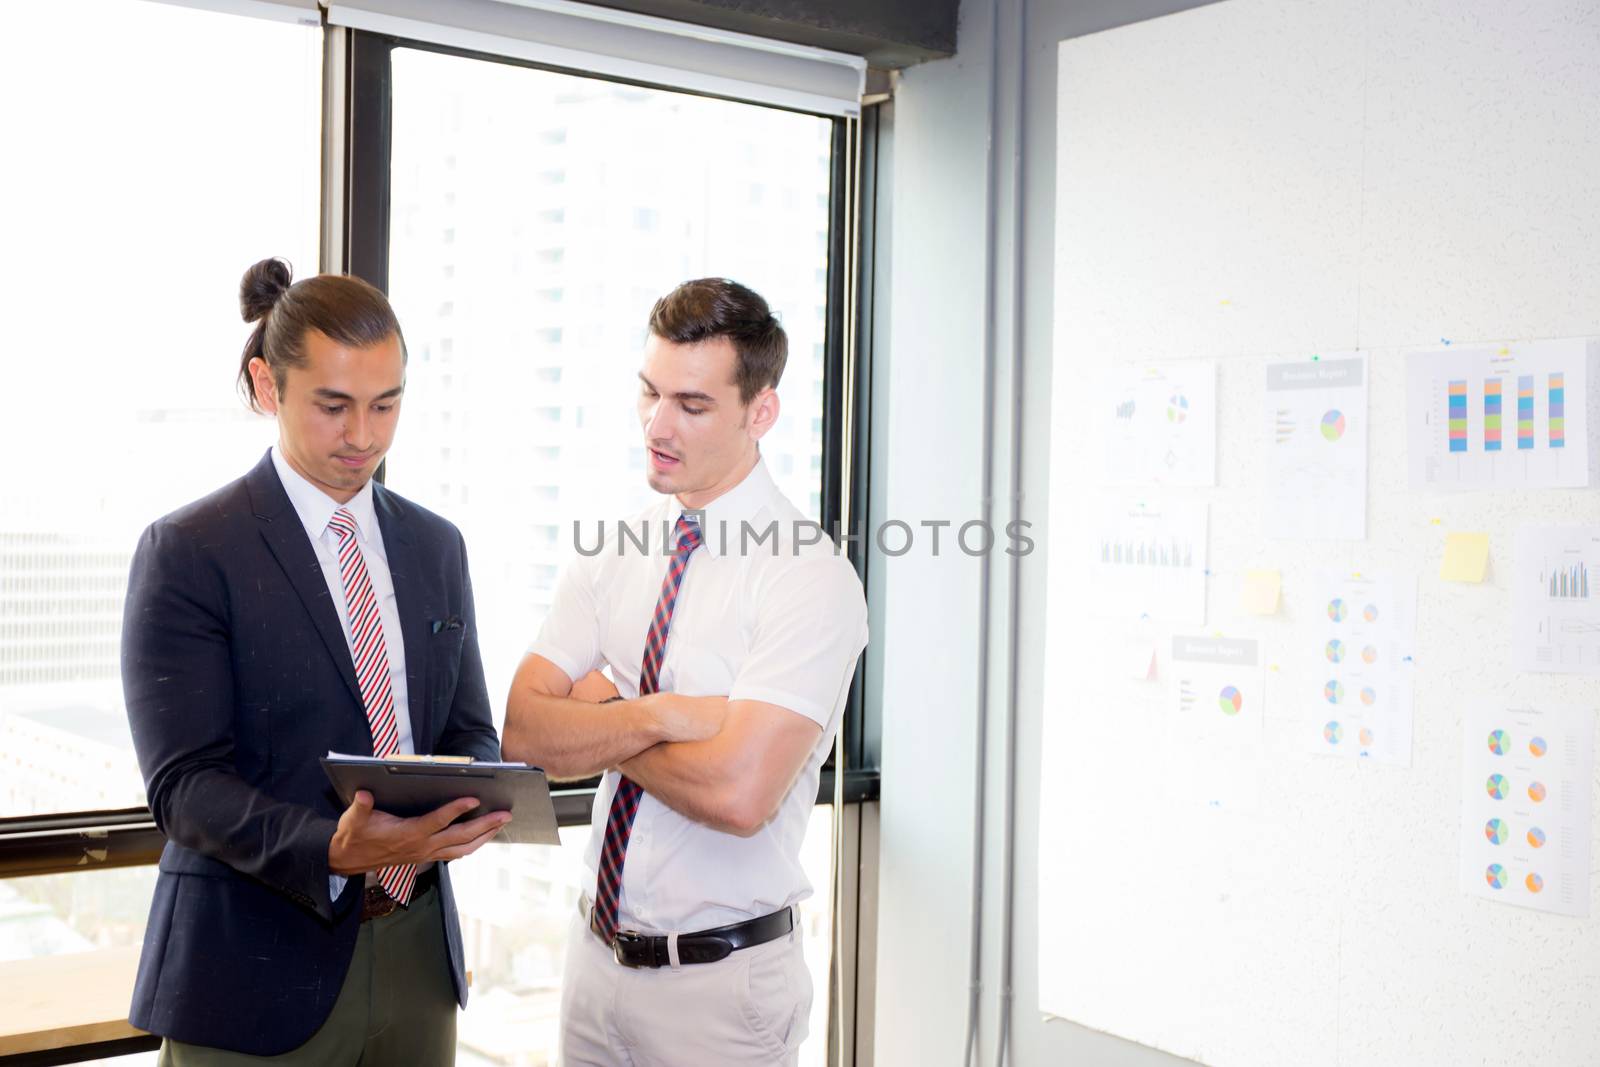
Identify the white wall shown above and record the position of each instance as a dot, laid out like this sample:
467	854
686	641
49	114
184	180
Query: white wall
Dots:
928	631
928	636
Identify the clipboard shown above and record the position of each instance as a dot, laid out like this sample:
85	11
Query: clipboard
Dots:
408	786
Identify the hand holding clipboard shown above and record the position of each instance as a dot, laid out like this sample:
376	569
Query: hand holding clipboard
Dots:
409	786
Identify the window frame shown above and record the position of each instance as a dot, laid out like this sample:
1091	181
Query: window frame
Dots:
61	842
356	123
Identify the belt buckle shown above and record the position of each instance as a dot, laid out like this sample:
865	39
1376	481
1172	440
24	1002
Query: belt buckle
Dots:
628	948
376	904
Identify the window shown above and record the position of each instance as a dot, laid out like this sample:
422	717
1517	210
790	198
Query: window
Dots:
534	218
526	368
546	389
121	283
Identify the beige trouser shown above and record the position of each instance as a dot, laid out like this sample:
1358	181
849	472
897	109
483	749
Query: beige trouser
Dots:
752	1008
397	1005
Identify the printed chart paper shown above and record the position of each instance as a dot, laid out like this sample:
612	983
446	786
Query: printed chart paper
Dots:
1499	417
1360	692
1217	698
1555	609
1148	561
1157	425
1525	792
1316	443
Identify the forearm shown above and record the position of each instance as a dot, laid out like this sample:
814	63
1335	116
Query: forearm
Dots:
574	739
736	780
700	780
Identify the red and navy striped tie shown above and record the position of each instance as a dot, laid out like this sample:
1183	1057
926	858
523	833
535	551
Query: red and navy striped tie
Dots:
625	802
372	670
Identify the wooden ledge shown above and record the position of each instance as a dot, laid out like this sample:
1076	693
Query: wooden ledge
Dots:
56	1002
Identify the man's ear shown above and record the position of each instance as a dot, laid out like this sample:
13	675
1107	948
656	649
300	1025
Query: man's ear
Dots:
763	413
266	387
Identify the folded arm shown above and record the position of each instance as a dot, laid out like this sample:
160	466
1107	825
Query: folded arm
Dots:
736	781
571	738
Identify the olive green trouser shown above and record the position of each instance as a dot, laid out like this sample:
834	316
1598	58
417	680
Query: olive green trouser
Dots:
397	1005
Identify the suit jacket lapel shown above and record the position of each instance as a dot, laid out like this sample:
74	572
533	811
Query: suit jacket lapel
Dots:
410	603
286	537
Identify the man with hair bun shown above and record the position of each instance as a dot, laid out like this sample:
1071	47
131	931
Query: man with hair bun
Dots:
732	640
300	610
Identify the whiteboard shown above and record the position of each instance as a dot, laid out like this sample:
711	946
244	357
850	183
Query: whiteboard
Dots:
1254	181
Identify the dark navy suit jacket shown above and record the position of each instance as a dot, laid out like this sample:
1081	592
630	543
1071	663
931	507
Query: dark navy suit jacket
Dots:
238	679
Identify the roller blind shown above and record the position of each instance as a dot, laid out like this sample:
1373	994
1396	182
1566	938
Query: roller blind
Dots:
621	44
304	12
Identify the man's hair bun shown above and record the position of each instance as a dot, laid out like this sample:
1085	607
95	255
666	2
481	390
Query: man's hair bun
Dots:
261	287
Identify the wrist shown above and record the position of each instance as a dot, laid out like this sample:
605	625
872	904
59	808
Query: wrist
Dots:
648	721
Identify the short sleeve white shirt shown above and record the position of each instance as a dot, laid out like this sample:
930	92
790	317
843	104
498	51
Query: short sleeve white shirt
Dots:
768	611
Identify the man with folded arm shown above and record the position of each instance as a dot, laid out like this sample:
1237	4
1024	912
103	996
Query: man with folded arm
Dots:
732	640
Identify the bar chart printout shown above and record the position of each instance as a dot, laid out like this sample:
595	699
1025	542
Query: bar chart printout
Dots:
1554	610
1147	561
1498	416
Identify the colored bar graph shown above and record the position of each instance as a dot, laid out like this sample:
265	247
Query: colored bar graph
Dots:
1524	412
1458	416
1491	415
1570	583
1558	409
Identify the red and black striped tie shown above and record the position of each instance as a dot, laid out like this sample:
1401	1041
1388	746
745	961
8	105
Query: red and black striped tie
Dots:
625	803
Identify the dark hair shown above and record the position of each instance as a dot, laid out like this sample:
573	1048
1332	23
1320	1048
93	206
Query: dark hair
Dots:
344	308
716	307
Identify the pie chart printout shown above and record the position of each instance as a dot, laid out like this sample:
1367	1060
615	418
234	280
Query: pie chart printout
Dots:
1498	786
1496	831
1496	876
1230	700
1499	742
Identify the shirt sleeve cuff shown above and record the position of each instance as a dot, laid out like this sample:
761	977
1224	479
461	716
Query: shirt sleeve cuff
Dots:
568	663
798	704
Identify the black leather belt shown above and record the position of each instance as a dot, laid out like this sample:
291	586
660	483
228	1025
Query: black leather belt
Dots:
376	904
703	946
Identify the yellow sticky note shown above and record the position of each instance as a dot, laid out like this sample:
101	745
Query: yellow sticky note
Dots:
1466	556
1261	591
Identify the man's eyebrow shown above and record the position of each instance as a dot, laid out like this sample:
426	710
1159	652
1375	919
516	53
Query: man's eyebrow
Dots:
323	393
703	398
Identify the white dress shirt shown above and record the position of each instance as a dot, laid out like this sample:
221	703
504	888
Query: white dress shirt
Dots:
772	620
315	509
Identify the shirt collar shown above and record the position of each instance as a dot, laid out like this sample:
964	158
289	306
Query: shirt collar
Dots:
720	519
316	508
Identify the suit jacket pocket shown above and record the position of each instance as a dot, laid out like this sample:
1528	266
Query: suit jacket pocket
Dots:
444	666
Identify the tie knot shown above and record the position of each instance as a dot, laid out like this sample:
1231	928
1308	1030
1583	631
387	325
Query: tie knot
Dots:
688	531
343	524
